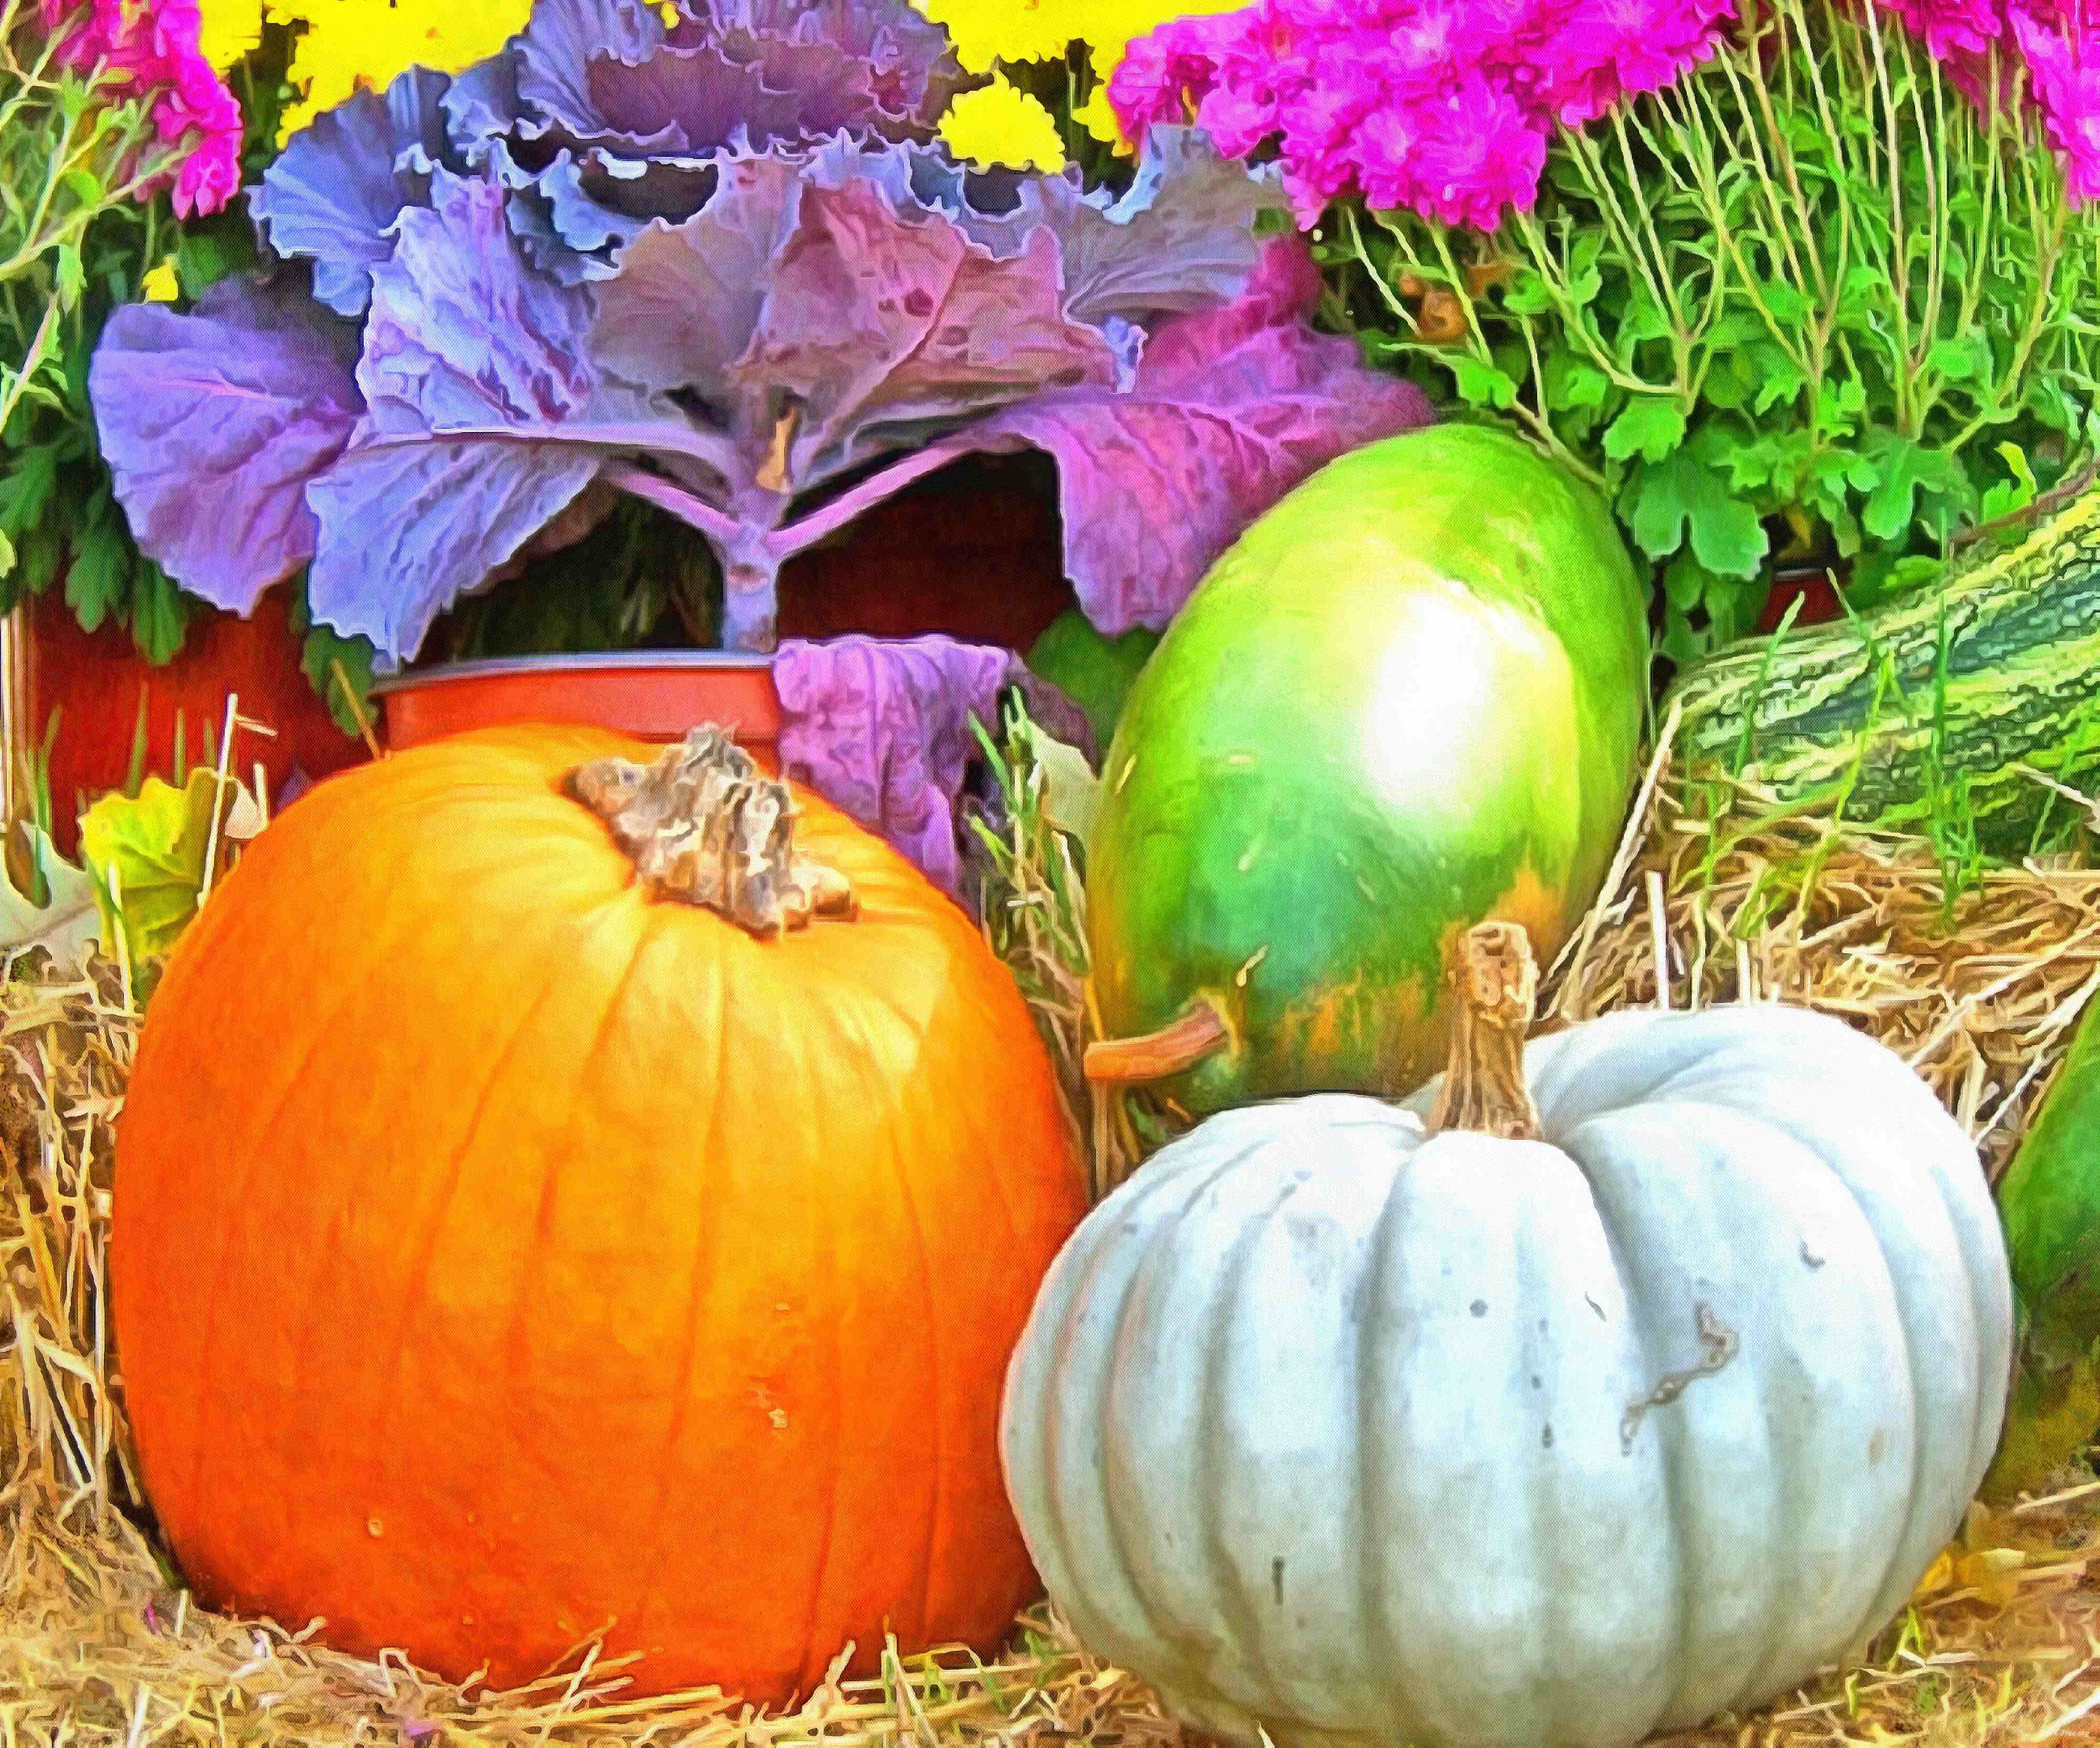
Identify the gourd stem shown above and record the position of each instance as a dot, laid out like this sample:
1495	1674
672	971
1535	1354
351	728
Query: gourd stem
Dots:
1174	1049
704	826
1494	988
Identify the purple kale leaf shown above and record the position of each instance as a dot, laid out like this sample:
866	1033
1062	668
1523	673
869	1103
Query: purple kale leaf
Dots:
613	120
1232	409
485	421
212	424
334	193
820	316
881	730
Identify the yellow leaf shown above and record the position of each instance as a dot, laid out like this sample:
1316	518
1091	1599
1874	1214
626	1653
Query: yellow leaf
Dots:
1938	1576
149	852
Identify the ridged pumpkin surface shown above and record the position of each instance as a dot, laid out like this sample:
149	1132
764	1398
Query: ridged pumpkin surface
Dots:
501	1252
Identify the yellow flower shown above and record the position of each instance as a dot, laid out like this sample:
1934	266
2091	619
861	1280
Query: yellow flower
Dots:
229	30
1000	123
160	285
351	45
985	31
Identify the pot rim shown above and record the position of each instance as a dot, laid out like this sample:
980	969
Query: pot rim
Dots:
609	661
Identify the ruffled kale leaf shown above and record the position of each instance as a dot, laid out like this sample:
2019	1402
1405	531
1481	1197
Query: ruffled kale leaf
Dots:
332	195
486	419
213	424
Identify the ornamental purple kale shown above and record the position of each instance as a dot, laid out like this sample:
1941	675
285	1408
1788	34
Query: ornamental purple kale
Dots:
716	265
720	265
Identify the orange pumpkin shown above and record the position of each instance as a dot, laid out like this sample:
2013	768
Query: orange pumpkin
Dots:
506	1249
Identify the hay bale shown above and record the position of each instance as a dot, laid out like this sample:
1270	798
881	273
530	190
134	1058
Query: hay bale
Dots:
98	1643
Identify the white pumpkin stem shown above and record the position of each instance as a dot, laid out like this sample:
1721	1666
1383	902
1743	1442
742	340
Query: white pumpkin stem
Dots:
1494	990
703	824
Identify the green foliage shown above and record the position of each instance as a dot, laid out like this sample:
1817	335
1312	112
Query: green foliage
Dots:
1810	301
339	668
85	257
636	577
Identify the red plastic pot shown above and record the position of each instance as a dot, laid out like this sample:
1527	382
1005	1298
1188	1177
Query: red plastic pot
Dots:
654	694
94	680
1813	585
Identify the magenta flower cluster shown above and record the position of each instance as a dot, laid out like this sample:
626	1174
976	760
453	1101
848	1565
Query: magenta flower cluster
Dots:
147	50
1446	108
1443	105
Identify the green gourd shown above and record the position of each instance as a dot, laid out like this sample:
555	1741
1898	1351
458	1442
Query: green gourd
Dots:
2049	1199
1410	697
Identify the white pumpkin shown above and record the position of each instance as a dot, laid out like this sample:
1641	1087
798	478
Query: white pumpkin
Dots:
1330	1425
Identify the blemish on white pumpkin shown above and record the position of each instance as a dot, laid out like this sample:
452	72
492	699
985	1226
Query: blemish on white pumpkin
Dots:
1594	1306
1545	1438
1877	1446
1479	1308
1717	1344
1809	1257
1276	1578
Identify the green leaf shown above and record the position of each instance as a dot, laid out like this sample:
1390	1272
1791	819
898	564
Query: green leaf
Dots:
26	488
1682	496
71	276
99	583
84	186
39	554
1954	359
1571	382
1483	385
1780	379
68	925
1789	306
1651	428
160	615
330	659
1525	294
148	854
1071	791
1905	469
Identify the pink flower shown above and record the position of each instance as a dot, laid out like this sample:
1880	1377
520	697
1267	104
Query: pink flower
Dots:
147	50
1443	106
2063	61
1448	106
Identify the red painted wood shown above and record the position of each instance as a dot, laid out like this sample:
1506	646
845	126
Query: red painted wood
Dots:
93	679
975	551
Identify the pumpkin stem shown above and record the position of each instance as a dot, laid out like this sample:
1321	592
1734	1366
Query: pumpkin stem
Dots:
1175	1048
704	826
1494	986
